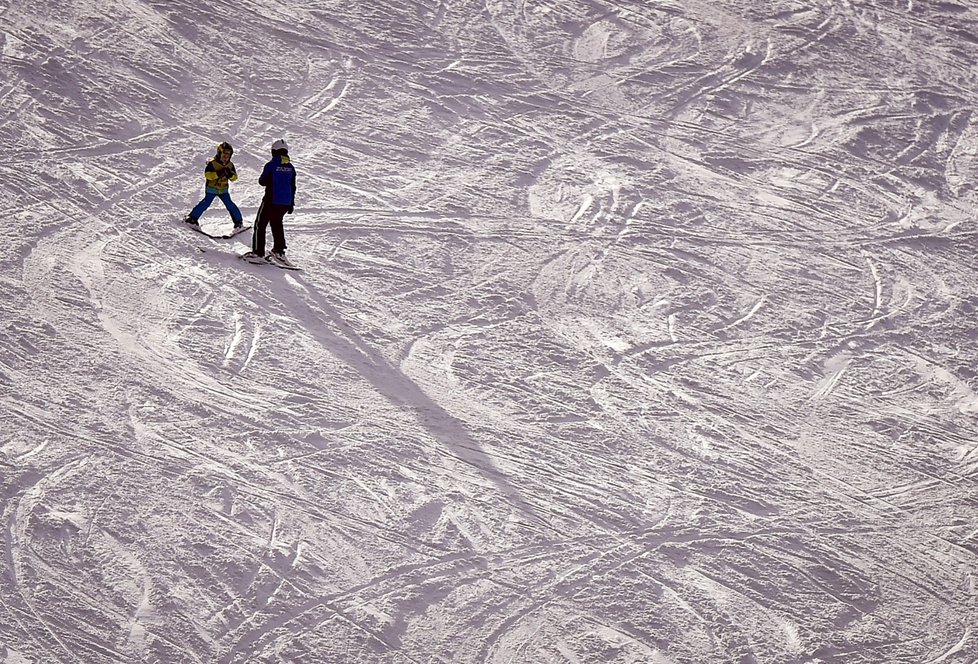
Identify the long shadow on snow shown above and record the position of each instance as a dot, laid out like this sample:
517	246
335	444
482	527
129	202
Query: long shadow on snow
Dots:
395	385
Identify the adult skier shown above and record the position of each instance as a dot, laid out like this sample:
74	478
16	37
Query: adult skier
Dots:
218	173
278	178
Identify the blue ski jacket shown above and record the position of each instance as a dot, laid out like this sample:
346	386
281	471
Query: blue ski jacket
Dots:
278	178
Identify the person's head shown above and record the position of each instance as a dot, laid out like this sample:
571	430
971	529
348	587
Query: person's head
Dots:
224	151
280	147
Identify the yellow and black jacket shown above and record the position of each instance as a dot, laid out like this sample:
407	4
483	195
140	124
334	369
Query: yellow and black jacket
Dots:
218	175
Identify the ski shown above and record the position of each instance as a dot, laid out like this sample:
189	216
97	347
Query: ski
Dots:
236	231
259	260
282	262
221	236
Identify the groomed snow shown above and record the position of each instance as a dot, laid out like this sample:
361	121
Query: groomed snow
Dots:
628	331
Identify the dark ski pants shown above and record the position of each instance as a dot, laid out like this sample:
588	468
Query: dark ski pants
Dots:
269	214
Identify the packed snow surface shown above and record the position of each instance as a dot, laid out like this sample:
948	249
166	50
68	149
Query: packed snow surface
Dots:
627	331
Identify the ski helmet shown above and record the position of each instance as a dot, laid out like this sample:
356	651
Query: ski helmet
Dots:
224	147
280	144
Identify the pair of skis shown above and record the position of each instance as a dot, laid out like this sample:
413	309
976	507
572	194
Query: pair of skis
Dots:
270	259
225	236
250	257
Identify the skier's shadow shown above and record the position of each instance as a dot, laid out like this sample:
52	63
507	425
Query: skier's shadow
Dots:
398	388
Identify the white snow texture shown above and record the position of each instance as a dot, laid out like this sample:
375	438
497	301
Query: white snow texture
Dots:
627	331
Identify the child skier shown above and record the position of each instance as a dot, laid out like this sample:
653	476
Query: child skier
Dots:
218	173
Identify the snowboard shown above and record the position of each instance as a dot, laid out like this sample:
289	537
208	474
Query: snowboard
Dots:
255	260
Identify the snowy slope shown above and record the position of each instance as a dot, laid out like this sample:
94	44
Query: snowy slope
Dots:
629	331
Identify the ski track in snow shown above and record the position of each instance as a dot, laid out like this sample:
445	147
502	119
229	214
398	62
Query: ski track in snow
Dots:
627	332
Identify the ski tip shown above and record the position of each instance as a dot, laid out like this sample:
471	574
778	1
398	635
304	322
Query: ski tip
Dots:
262	260
236	231
251	258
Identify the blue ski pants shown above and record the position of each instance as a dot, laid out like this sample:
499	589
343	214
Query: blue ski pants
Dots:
209	197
